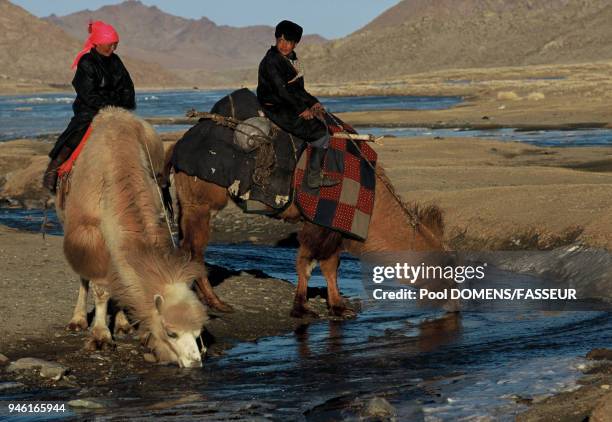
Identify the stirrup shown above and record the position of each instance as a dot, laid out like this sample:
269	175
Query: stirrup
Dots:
320	180
327	181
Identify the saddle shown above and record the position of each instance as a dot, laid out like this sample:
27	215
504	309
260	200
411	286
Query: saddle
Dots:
263	167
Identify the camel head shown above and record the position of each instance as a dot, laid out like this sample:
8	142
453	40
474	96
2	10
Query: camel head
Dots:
171	313
176	323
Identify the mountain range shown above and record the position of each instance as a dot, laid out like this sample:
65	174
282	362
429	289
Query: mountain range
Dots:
414	36
195	49
428	35
35	51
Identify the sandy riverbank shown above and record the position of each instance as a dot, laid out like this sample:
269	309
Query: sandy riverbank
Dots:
494	194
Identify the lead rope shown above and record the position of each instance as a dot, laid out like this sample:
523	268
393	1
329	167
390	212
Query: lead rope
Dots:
43	225
161	197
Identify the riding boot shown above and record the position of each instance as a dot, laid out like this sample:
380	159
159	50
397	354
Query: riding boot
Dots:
50	176
315	176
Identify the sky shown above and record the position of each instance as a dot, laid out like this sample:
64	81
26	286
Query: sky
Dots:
329	18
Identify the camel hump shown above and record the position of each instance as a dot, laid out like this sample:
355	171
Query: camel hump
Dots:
119	118
117	115
119	126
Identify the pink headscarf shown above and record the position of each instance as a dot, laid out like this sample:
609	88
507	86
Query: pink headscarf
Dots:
99	33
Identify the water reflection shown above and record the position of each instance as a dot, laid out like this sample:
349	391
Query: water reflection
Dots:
438	332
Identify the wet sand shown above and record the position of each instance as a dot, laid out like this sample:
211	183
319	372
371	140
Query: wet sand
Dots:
591	400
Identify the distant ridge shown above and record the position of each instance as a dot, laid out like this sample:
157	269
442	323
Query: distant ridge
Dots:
33	51
196	48
412	37
427	35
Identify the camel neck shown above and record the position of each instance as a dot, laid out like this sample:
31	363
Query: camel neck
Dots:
391	229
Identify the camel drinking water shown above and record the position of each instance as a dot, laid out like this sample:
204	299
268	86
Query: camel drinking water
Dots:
115	237
394	227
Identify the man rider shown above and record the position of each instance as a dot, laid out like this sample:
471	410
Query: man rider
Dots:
281	93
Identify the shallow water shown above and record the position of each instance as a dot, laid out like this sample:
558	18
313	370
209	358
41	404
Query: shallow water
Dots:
427	367
31	220
38	114
542	138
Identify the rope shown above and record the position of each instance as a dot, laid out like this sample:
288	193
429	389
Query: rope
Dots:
231	100
264	162
43	226
229	122
161	196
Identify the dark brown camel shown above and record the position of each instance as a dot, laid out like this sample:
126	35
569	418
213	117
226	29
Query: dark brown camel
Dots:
394	227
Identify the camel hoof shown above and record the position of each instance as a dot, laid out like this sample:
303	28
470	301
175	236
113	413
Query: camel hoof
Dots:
343	312
301	311
123	330
93	345
213	302
122	325
100	339
220	306
77	324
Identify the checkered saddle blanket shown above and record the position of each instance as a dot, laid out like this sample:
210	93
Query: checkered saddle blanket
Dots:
346	207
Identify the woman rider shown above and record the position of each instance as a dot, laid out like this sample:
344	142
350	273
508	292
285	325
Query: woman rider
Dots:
100	80
281	93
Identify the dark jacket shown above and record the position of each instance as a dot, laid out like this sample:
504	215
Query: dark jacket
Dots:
99	81
102	81
283	98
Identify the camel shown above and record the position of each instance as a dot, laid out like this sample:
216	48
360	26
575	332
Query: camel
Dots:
114	236
394	226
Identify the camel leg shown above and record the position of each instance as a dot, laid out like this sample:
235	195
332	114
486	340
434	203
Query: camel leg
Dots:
195	227
335	302
101	337
122	325
304	266
79	315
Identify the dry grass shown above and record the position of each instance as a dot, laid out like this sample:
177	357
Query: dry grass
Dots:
532	238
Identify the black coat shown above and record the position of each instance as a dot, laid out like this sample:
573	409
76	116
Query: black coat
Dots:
102	81
283	97
99	81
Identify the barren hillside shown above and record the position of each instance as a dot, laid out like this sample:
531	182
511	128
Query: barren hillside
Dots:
426	35
38	53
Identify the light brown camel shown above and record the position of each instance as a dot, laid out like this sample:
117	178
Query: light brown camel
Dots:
114	235
394	227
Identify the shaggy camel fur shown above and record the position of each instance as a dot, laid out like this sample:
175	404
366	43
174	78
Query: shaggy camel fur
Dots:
115	236
390	230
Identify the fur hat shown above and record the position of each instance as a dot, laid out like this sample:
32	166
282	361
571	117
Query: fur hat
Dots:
289	30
